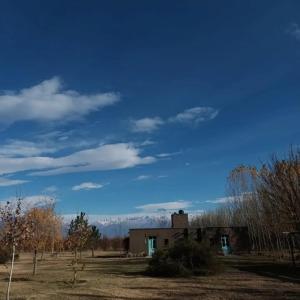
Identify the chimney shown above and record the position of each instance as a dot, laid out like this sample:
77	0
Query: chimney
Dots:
180	220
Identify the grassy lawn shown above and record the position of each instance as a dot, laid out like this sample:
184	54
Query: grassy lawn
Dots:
109	277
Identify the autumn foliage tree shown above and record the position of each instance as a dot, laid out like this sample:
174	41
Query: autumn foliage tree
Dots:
45	227
266	200
15	231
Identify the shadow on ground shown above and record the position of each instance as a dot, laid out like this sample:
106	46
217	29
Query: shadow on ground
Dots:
283	271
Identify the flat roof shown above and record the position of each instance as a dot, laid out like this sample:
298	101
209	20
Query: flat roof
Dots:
168	228
156	228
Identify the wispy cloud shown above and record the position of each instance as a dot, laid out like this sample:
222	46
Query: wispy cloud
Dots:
9	182
146	124
221	200
146	177
147	143
87	186
165	206
31	201
168	154
105	157
143	177
195	115
51	189
191	116
49	101
294	30
22	148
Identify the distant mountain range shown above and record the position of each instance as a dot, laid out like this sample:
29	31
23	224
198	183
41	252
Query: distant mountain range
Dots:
113	226
119	225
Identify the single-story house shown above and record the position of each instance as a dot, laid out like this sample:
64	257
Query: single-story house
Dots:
145	241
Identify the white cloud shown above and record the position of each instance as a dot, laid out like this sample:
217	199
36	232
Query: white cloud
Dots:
169	154
48	101
24	148
105	157
143	177
195	115
87	186
222	200
146	124
29	202
165	206
147	143
9	182
230	199
51	189
294	30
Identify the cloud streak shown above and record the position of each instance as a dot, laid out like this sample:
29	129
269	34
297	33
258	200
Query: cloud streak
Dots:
221	200
143	177
146	124
294	30
87	186
48	102
195	115
104	157
165	206
9	182
15	148
191	116
29	202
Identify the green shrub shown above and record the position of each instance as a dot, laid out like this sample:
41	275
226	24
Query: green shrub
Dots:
186	257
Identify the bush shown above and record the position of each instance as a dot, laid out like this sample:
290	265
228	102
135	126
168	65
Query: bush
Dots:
5	255
186	257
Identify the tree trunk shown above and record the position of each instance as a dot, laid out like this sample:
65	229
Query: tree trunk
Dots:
52	246
11	271
42	254
75	255
93	254
34	262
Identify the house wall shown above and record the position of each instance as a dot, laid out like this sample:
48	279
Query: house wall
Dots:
138	238
238	237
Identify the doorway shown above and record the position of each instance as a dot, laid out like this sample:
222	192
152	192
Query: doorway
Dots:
225	244
151	245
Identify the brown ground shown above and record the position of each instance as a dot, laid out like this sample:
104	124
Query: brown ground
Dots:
122	278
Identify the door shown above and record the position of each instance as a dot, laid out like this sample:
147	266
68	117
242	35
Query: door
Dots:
151	245
225	244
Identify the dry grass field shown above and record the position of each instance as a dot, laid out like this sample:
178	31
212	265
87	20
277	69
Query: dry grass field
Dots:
108	277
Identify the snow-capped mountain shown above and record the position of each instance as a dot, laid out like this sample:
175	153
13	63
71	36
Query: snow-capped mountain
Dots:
119	225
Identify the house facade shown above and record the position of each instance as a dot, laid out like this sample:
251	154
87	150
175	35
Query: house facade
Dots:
226	240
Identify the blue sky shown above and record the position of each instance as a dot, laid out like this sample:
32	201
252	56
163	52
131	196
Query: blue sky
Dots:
124	107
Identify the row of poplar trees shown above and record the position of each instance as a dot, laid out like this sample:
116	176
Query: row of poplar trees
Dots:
266	199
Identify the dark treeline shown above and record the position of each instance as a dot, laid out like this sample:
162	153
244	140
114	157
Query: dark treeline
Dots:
266	199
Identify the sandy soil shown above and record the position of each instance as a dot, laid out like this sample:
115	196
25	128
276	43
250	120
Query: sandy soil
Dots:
122	278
